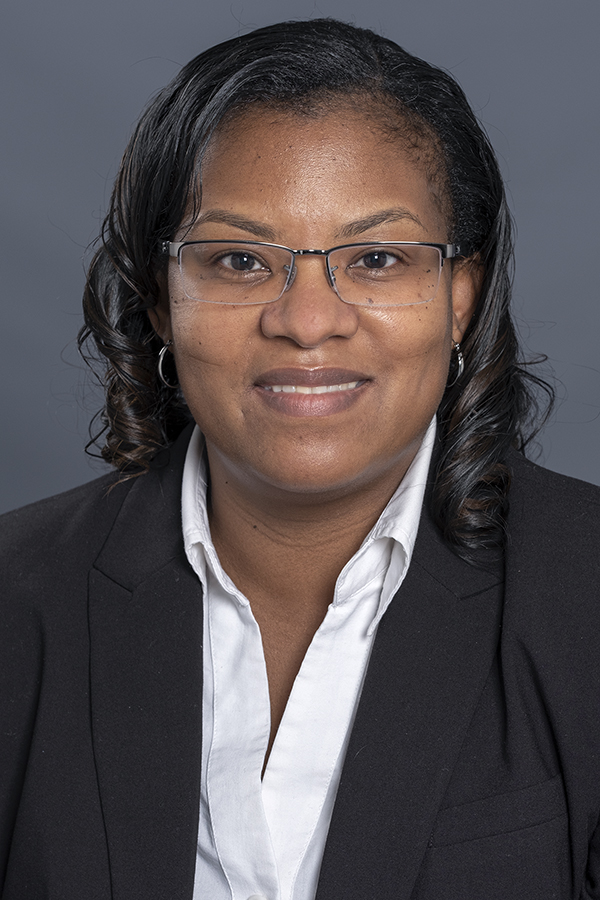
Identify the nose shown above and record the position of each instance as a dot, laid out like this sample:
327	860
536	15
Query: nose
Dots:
309	312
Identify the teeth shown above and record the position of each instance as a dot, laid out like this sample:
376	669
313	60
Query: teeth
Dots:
303	389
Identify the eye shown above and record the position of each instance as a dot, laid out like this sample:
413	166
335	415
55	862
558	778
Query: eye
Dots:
377	259
241	261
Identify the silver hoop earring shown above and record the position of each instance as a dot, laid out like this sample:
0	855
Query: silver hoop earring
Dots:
161	359
460	363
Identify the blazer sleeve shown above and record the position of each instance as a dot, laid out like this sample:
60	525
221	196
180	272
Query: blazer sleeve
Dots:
591	885
20	679
45	552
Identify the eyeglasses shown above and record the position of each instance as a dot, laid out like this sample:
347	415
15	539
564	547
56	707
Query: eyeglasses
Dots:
393	273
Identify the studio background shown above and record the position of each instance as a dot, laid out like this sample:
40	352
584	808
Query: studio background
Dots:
75	77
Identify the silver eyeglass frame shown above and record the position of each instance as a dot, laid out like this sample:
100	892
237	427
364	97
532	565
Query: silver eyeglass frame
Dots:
447	251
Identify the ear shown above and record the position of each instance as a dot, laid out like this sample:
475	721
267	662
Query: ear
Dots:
160	315
467	278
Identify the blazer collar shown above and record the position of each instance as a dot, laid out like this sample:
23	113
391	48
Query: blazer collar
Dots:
152	507
145	615
432	654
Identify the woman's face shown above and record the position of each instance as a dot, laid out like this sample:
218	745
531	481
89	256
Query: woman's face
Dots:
309	183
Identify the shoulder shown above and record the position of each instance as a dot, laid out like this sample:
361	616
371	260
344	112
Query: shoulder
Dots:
557	509
47	548
550	487
552	558
56	541
63	524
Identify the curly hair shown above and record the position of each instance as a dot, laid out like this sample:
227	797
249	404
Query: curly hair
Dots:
298	65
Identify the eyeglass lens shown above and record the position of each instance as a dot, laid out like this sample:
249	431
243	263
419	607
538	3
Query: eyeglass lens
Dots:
365	275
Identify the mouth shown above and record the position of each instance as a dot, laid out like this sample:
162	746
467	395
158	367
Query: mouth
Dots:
304	389
311	392
296	379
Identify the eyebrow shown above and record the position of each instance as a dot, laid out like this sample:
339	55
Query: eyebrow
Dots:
258	229
396	214
350	230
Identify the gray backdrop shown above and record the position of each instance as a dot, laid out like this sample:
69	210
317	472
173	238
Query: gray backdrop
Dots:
76	74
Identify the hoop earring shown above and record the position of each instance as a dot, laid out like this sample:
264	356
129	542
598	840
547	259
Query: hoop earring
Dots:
161	359
460	363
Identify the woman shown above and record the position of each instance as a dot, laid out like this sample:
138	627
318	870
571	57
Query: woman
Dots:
338	638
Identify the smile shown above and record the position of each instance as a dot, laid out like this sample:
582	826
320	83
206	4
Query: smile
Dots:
304	389
299	392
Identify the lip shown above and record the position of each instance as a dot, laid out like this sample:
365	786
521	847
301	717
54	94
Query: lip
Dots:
319	404
310	377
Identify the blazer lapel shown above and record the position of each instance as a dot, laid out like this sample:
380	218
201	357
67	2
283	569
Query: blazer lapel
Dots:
145	613
430	660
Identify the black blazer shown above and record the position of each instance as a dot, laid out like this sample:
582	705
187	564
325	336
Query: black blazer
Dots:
473	771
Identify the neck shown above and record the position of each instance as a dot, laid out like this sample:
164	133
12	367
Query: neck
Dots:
287	546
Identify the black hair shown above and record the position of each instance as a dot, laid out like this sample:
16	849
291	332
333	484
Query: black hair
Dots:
292	65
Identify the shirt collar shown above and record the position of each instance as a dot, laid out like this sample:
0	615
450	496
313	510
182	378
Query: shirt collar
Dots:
399	522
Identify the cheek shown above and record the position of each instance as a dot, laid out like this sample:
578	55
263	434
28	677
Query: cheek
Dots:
211	346
204	335
200	330
416	338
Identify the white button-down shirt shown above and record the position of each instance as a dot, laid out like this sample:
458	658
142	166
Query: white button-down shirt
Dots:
265	838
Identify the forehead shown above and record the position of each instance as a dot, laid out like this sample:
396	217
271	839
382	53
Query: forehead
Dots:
340	163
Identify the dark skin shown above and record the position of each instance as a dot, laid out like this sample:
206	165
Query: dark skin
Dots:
272	560
298	480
